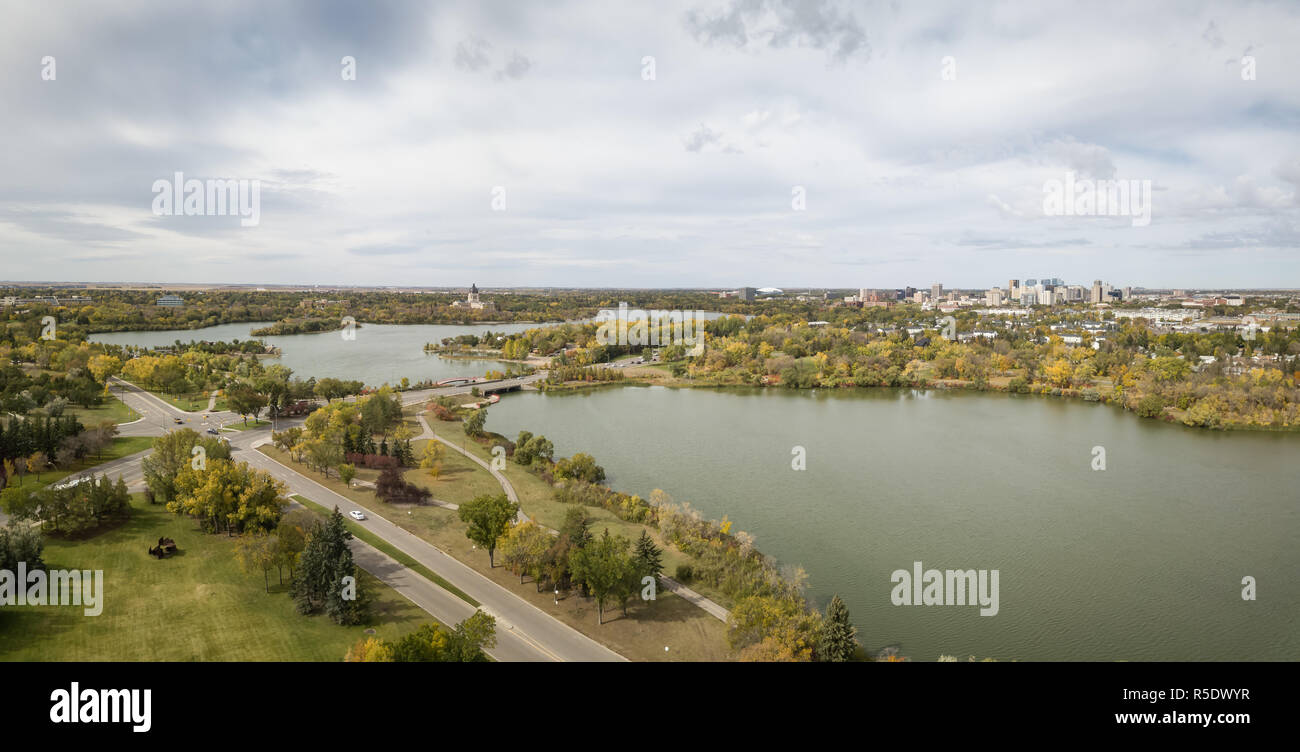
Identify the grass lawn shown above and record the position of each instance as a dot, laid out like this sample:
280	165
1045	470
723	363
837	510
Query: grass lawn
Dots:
460	481
537	500
113	410
193	402
196	605
238	425
688	631
365	535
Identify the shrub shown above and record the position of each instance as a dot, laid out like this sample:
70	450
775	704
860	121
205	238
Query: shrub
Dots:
684	573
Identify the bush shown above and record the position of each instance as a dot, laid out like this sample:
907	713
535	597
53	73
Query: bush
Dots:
392	488
1151	406
685	573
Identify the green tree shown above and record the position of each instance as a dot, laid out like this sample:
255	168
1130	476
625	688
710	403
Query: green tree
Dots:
603	566
838	642
649	558
488	517
474	423
173	452
347	473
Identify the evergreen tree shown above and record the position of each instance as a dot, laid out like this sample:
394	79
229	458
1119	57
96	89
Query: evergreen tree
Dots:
649	558
318	582
839	637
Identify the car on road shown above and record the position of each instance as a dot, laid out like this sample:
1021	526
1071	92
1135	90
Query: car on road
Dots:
177	420
212	431
356	515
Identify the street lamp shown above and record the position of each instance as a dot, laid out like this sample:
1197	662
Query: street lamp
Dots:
557	595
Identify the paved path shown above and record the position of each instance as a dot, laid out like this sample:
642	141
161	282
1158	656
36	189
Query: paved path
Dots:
501	478
711	607
524	632
517	619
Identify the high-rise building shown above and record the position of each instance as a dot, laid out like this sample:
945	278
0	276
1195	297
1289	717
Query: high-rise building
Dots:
936	290
1096	291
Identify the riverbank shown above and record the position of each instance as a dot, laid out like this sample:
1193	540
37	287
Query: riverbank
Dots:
660	375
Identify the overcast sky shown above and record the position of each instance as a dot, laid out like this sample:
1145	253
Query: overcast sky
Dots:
910	174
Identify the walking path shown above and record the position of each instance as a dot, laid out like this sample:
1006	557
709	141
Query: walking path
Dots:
711	607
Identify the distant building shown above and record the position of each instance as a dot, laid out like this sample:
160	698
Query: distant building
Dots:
172	301
474	302
747	293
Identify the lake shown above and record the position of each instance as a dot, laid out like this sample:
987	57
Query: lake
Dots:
379	353
1143	560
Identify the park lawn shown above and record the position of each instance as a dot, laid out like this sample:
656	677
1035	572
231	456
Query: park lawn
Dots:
196	605
537	500
113	410
238	424
690	632
362	534
461	478
120	447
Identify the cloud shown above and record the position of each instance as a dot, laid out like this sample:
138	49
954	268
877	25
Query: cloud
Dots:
472	54
816	24
702	137
1212	35
516	68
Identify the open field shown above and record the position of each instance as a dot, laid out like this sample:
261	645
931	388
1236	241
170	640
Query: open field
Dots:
113	409
196	605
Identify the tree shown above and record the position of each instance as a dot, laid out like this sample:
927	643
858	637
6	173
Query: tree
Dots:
319	582
471	636
576	527
21	543
838	636
104	366
370	650
523	548
431	458
782	619
474	423
244	400
603	566
581	466
648	556
174	451
347	473
36	463
231	496
487	517
256	552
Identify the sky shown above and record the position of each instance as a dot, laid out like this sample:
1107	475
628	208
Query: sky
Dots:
710	144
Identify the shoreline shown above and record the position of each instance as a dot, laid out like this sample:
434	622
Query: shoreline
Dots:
1053	393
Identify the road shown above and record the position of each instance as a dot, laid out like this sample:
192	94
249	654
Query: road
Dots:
521	626
524	632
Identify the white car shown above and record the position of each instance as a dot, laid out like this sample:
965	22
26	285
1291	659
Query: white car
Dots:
356	515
